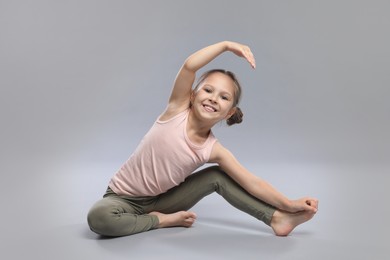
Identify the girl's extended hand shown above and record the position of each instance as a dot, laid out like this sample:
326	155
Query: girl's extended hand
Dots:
242	51
304	204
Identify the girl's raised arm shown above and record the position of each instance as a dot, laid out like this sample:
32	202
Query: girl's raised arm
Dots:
181	92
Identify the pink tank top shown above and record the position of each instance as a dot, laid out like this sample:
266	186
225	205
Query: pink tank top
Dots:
163	159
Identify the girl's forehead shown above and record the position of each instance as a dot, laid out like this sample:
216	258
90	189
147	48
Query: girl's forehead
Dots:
220	81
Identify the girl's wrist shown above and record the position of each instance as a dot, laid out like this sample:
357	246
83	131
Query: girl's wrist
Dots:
226	45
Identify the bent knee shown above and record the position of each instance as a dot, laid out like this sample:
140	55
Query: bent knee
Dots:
96	221
217	175
100	221
215	171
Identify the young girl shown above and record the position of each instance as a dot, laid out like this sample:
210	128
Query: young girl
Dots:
156	186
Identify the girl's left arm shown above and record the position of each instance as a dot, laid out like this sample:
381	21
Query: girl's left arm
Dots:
257	186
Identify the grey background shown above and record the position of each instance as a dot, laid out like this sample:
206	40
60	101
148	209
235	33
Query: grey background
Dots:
82	81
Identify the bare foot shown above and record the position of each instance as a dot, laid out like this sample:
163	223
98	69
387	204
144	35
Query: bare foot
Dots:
178	219
284	222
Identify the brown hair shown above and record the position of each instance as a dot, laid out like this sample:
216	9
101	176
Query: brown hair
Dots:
236	118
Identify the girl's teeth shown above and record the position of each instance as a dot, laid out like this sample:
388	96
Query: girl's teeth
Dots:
209	109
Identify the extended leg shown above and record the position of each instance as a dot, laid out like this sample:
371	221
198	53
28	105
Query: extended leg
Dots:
205	182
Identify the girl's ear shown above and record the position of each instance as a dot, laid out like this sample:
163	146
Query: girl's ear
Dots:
231	112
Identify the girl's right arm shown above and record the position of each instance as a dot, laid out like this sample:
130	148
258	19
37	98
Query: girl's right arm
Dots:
182	88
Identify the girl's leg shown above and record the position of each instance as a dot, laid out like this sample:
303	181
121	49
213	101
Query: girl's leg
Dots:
115	216
205	182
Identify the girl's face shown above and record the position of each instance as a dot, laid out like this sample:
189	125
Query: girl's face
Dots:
215	97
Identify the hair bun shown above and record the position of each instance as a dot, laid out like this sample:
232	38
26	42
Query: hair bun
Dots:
236	118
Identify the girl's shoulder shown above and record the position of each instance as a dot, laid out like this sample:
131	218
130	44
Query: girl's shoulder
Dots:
171	113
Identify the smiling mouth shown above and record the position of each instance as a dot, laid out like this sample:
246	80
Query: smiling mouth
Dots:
209	108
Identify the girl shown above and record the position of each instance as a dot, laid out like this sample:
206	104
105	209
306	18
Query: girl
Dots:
154	188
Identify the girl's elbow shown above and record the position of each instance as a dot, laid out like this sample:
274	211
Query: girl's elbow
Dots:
188	66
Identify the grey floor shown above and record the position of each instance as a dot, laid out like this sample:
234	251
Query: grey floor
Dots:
352	222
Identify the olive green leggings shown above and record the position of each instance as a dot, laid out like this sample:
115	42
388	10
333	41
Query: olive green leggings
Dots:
116	215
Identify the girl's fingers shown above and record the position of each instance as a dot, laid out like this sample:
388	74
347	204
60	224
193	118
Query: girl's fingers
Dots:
313	203
249	57
253	62
245	52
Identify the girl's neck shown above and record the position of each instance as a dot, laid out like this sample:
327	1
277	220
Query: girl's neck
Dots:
197	130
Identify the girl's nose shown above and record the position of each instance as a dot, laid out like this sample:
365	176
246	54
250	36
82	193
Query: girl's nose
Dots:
213	99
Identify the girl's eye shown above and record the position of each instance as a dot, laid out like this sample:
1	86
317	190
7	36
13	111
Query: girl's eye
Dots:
225	98
207	90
